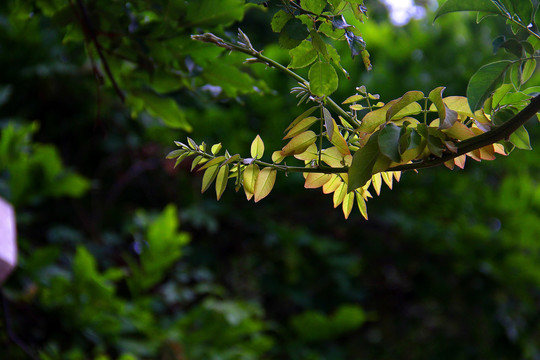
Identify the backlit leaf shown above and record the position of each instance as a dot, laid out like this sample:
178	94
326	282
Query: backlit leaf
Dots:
299	143
215	148
323	79
301	117
215	161
257	148
315	6
329	123
302	55
362	205
408	98
374	119
301	127
175	153
221	180
331	185
339	194
348	203
264	183
520	138
316	180
447	117
485	81
277	157
528	70
251	172
209	176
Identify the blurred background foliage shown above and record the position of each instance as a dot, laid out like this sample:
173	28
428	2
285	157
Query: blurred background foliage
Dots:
121	257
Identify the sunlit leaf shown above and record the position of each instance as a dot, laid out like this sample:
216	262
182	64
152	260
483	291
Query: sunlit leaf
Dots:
388	179
339	194
376	180
374	119
209	177
302	55
348	203
332	185
264	183
277	157
528	70
221	180
175	153
299	143
447	116
257	148
329	123
520	138
323	79
316	180
315	6
279	20
408	98
362	205
215	148
215	161
251	172
301	117
302	126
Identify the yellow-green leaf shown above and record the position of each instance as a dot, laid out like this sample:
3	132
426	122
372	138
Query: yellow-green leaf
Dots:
339	194
447	116
265	183
332	184
221	180
301	127
257	148
361	205
209	176
301	117
316	180
408	98
348	203
214	161
251	172
215	148
299	143
277	157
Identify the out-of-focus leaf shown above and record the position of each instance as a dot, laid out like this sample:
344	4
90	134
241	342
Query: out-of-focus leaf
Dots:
279	20
296	29
323	79
163	108
264	183
485	81
525	10
214	12
356	43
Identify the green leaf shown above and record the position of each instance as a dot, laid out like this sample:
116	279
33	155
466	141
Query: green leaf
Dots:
302	55
265	183
215	148
213	12
520	138
447	117
315	6
257	148
348	203
389	141
528	70
467	5
375	118
485	81
362	164
302	126
408	98
323	79
175	153
163	108
209	176
301	117
221	180
361	202
279	20
296	29
525	10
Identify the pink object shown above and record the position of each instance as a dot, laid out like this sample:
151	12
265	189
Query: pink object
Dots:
8	238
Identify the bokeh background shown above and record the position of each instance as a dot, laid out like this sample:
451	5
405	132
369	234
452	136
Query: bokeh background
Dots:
122	257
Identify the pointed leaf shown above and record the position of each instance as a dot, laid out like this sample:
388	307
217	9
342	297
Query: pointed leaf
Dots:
218	160
279	20
528	70
175	153
257	148
316	180
299	143
251	172
362	205
265	183
374	119
332	185
221	180
389	142
470	5
339	194
408	98
301	117
302	126
362	164
329	123
209	176
485	81
520	138
215	148
447	117
302	55
348	203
